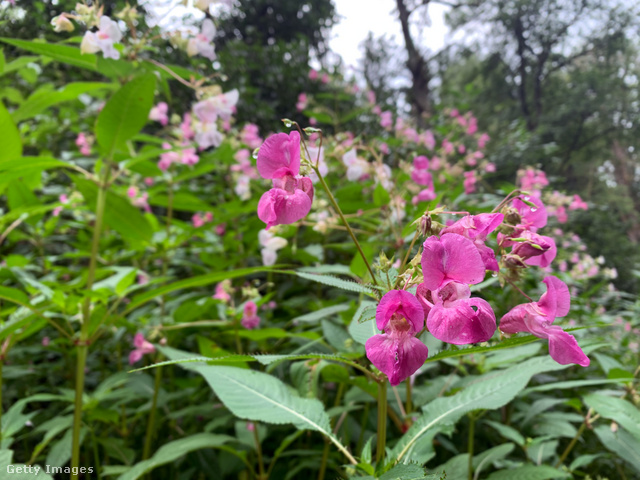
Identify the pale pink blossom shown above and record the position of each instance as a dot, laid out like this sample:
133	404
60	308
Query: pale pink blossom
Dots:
202	43
142	347
159	113
103	40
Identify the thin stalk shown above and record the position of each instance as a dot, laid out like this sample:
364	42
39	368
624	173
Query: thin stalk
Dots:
382	421
409	406
83	343
472	431
256	438
151	425
406	257
1	365
506	200
323	462
574	440
345	222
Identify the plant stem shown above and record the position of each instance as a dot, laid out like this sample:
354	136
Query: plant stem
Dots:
574	440
83	344
259	452
472	428
409	406
151	425
506	200
346	224
323	462
1	365
382	421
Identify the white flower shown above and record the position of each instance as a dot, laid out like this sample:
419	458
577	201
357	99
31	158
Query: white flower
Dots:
357	168
242	188
207	135
202	44
222	106
103	39
62	24
322	165
271	244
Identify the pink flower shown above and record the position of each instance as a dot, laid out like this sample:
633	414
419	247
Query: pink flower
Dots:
185	127
428	140
386	119
469	182
462	149
83	143
288	202
532	216
482	141
547	257
537	318
421	162
490	167
159	113
221	229
219	106
166	159
425	195
561	214
451	258
302	102
472	126
458	319
578	203
189	157
46	341
357	168
221	292
371	97
313	74
447	146
148	181
249	136
397	352
422	177
476	228
197	220
250	319
56	211
291	196
142	347
325	78
279	155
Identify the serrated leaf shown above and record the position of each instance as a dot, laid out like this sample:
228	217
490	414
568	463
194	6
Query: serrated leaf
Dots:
256	396
529	472
321	313
622	443
489	391
172	451
336	282
622	412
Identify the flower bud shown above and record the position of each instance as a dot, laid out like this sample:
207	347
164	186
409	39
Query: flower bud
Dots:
512	216
513	261
62	24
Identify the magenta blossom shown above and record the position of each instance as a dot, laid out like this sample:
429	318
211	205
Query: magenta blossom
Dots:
578	203
451	258
250	319
537	318
142	347
291	196
477	228
397	352
458	319
533	217
159	113
289	201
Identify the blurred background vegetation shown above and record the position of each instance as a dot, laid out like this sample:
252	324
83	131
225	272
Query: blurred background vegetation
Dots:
554	83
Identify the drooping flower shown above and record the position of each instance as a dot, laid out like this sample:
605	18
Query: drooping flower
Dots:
250	319
531	210
537	318
219	106
62	24
84	144
357	168
222	291
108	33
288	202
397	352
202	43
578	203
291	196
142	347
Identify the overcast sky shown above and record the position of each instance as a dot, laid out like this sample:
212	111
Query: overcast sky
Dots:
358	17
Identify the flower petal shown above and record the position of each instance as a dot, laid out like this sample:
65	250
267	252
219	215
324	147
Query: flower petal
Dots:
564	348
402	303
396	356
451	257
279	155
460	324
556	301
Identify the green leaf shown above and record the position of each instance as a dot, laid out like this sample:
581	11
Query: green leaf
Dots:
488	457
621	443
6	459
320	314
336	282
261	397
41	100
622	412
404	472
529	472
62	53
11	142
363	327
506	431
17	167
199	281
172	451
182	201
125	113
489	391
119	214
